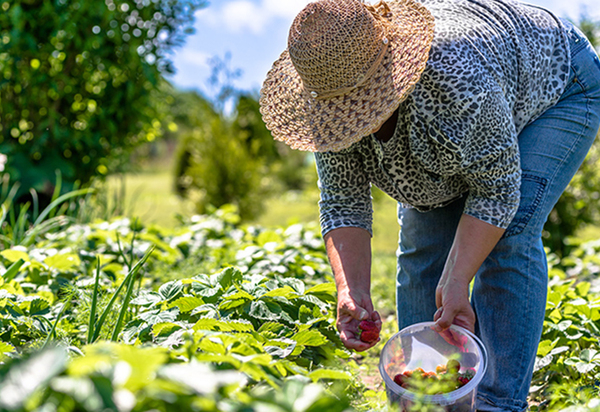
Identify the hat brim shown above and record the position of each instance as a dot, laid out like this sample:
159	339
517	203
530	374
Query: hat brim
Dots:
332	124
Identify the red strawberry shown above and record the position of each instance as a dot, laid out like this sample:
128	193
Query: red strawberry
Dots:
369	331
400	379
463	380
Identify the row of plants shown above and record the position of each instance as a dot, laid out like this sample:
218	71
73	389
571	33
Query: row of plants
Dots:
216	315
209	316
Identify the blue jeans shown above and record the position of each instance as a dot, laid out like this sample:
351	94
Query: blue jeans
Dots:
509	290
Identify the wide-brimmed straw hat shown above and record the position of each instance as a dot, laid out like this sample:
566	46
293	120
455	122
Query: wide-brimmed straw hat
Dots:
347	67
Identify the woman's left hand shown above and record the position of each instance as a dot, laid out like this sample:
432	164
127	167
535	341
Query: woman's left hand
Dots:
452	301
473	242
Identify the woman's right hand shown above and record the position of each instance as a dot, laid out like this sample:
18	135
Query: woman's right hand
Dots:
352	308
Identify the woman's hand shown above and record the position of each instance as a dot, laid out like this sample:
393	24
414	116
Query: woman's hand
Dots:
351	310
473	242
452	301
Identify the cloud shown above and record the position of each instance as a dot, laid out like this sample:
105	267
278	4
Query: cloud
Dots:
254	16
194	57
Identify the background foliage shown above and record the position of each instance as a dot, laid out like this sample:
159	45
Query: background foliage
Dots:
79	84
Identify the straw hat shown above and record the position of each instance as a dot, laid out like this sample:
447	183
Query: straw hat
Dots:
347	67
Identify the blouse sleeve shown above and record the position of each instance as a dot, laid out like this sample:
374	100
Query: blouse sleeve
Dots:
493	173
345	191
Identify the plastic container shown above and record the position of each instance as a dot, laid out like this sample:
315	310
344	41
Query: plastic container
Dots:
419	346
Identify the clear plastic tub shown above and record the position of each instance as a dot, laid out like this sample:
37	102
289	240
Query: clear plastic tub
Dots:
419	346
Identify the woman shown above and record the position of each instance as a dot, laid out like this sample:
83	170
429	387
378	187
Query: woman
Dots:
474	115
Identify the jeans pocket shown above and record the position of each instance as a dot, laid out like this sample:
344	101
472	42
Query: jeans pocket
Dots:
532	191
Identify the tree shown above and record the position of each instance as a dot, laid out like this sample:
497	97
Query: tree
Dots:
579	204
79	82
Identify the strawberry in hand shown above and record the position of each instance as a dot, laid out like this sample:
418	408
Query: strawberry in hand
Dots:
369	331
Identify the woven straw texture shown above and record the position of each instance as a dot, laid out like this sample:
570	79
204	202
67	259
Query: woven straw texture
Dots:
347	67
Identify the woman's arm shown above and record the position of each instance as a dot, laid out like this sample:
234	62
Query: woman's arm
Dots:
473	242
349	252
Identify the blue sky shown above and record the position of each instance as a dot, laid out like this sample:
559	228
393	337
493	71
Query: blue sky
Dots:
254	33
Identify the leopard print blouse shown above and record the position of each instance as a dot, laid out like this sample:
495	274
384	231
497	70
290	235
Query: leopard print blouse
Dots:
494	67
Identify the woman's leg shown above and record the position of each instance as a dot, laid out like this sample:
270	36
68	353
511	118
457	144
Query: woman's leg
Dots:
509	292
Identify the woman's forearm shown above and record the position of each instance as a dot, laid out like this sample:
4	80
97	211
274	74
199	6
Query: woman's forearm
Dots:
349	252
472	244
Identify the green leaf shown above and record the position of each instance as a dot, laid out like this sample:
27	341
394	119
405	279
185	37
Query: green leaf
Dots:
223	325
329	374
146	298
286	292
13	255
157	316
170	290
587	355
310	338
63	262
240	294
38	306
267	311
24	377
187	304
164	329
583	288
6	348
328	288
228	277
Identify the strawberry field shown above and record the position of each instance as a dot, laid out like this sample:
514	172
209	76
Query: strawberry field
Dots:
214	315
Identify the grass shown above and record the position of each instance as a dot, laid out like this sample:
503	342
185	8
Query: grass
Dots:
149	196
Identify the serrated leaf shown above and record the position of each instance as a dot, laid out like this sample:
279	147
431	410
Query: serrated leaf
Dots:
153	317
170	290
223	326
310	338
228	277
39	306
286	292
187	303
146	298
231	304
329	374
275	327
240	294
208	310
261	310
163	329
328	288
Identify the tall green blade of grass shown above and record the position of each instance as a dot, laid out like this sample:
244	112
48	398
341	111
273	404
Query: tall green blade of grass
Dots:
94	303
53	330
12	270
123	310
37	226
113	299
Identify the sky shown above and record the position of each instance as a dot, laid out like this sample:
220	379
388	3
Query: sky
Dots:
249	35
